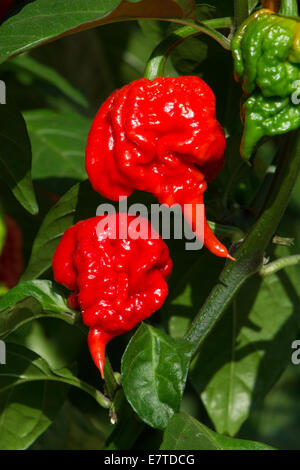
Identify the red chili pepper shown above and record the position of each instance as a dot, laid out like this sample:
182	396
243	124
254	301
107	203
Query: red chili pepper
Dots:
116	282
5	6
11	259
162	137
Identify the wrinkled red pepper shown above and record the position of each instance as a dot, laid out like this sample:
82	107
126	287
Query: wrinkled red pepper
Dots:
116	282
162	137
11	258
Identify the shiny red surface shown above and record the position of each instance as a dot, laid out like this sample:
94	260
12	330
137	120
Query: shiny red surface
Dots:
158	136
115	282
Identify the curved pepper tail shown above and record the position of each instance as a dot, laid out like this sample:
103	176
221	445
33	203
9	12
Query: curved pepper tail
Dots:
97	341
195	215
213	244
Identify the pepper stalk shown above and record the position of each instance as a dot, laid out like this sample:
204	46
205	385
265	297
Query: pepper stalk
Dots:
250	254
289	8
156	64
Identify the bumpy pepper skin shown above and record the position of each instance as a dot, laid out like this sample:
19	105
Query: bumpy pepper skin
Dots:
116	282
158	136
11	258
266	51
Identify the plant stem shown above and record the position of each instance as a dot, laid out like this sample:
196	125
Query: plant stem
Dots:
128	427
156	64
250	253
279	264
228	231
61	376
289	8
110	380
234	178
101	399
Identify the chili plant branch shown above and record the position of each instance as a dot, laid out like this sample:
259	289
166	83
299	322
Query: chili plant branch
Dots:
228	231
101	399
279	264
289	8
156	64
110	380
250	253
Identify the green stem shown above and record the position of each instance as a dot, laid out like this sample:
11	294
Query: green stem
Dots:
101	399
156	64
260	196
289	8
110	380
128	427
234	178
241	12
250	253
279	264
228	231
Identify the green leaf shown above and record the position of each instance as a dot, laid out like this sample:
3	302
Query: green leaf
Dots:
44	21
289	8
29	401
31	394
15	157
187	6
277	419
251	5
154	370
58	145
30	300
221	8
78	203
186	433
73	430
48	75
58	342
248	350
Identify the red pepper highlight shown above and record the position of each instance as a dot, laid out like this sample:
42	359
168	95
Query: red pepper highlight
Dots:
162	137
11	258
116	282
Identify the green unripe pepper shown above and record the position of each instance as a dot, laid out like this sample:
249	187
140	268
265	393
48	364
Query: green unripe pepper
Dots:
266	51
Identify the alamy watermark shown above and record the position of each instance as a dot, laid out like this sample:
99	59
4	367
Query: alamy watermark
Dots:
2	352
171	222
295	97
2	92
296	354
